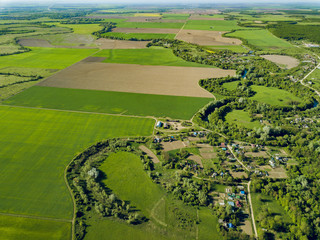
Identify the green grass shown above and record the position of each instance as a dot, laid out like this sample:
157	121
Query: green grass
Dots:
112	230
127	179
231	85
315	79
213	25
81	28
16	228
139	36
208	225
273	96
173	25
109	102
234	48
242	118
147	56
52	58
170	16
261	39
36	146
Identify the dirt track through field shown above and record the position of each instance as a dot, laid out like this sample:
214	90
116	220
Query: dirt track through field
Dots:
206	38
163	80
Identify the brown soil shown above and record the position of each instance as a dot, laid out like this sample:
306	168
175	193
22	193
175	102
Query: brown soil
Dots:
164	80
168	146
206	38
247	227
35	43
281	60
105	43
153	157
146	30
197	159
257	154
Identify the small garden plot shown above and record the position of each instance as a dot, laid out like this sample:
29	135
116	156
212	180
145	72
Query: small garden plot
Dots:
274	96
282	61
206	38
242	119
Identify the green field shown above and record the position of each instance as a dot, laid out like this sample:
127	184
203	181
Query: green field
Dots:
182	16
261	39
51	58
150	25
273	96
136	186
138	36
231	85
213	25
36	146
81	28
16	228
234	48
208	225
148	56
242	119
109	102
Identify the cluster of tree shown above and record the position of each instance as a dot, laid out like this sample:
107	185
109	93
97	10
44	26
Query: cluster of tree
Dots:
299	196
82	21
191	192
90	194
291	31
107	27
183	219
32	78
216	85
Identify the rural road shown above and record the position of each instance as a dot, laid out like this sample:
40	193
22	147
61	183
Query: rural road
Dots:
230	148
251	209
304	84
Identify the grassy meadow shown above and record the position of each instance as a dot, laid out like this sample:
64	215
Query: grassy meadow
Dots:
231	85
50	58
213	25
242	119
261	39
81	28
148	56
138	36
36	146
273	96
16	228
109	102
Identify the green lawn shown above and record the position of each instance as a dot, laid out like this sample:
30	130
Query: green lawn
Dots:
174	25
51	58
273	96
208	225
36	145
148	56
139	36
242	118
16	228
109	102
234	48
261	39
213	25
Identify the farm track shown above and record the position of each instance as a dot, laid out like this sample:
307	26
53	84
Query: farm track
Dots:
251	209
37	217
153	215
74	111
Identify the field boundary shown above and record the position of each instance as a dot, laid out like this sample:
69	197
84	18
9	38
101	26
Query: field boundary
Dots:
36	217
